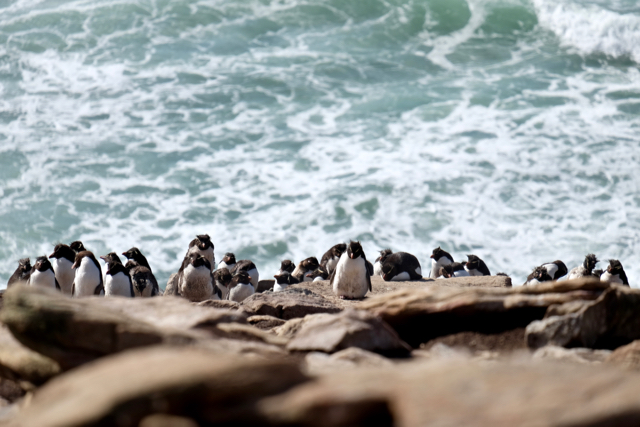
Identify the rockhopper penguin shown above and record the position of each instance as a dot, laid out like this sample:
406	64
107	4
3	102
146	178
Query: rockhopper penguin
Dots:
614	273
584	270
351	279
202	245
195	281
42	274
22	272
330	258
88	278
283	280
117	280
401	266
62	260
439	258
240	287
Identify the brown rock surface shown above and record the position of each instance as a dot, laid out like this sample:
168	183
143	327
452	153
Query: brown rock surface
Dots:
503	342
464	393
350	328
265	322
18	363
124	389
627	356
419	315
317	363
230	305
75	331
288	304
608	322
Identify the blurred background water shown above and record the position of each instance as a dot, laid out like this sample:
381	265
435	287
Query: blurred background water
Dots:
505	128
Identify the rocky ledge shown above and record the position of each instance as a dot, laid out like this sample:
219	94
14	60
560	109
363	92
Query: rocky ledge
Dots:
471	351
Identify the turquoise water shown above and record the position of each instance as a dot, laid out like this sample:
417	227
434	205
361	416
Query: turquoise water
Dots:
508	129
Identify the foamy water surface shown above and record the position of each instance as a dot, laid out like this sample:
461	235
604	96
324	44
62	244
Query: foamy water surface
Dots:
505	128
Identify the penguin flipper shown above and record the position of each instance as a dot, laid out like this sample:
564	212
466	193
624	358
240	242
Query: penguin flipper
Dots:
73	289
57	284
133	294
369	282
332	275
99	289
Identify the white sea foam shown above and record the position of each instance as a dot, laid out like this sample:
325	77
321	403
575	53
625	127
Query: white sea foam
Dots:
591	28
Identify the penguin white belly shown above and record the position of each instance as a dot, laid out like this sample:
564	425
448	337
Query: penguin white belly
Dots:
473	272
223	289
119	285
404	276
255	277
461	273
318	279
377	269
331	264
43	279
350	279
279	287
611	278
241	291
64	273
533	282
87	278
196	284
225	265
437	265
551	269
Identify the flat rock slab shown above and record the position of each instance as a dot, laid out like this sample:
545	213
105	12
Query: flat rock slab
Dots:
419	315
464	393
124	389
331	333
76	331
19	363
288	304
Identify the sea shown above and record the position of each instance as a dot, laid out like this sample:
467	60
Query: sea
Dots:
508	129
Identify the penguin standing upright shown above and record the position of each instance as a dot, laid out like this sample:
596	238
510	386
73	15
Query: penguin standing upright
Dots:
240	287
88	278
195	280
202	245
250	268
586	269
42	274
476	267
117	280
330	258
351	279
400	266
144	282
110	257
62	260
615	273
228	261
22	273
439	258
286	265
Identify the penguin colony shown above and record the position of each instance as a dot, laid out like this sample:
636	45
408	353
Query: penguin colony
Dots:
75	271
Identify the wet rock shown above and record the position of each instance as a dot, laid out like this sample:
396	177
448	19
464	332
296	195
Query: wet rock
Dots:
76	331
183	383
463	392
419	315
350	328
608	322
318	363
288	304
265	322
18	363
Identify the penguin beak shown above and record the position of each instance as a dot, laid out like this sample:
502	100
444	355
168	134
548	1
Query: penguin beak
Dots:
52	255
352	256
431	256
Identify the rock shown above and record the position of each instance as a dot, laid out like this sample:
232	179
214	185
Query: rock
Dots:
10	391
125	389
318	363
290	328
265	285
163	420
504	342
419	315
351	328
18	363
475	282
627	356
608	322
76	331
216	303
574	355
265	322
288	304
463	392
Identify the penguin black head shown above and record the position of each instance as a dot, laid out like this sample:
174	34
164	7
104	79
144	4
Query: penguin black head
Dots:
81	255
615	267
354	250
286	279
111	257
197	260
384	254
338	250
446	271
229	258
502	274
242	277
42	264
63	251
310	263
287	265
203	241
24	265
222	275
77	246
475	263
135	254
590	262
439	253
541	274
388	271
